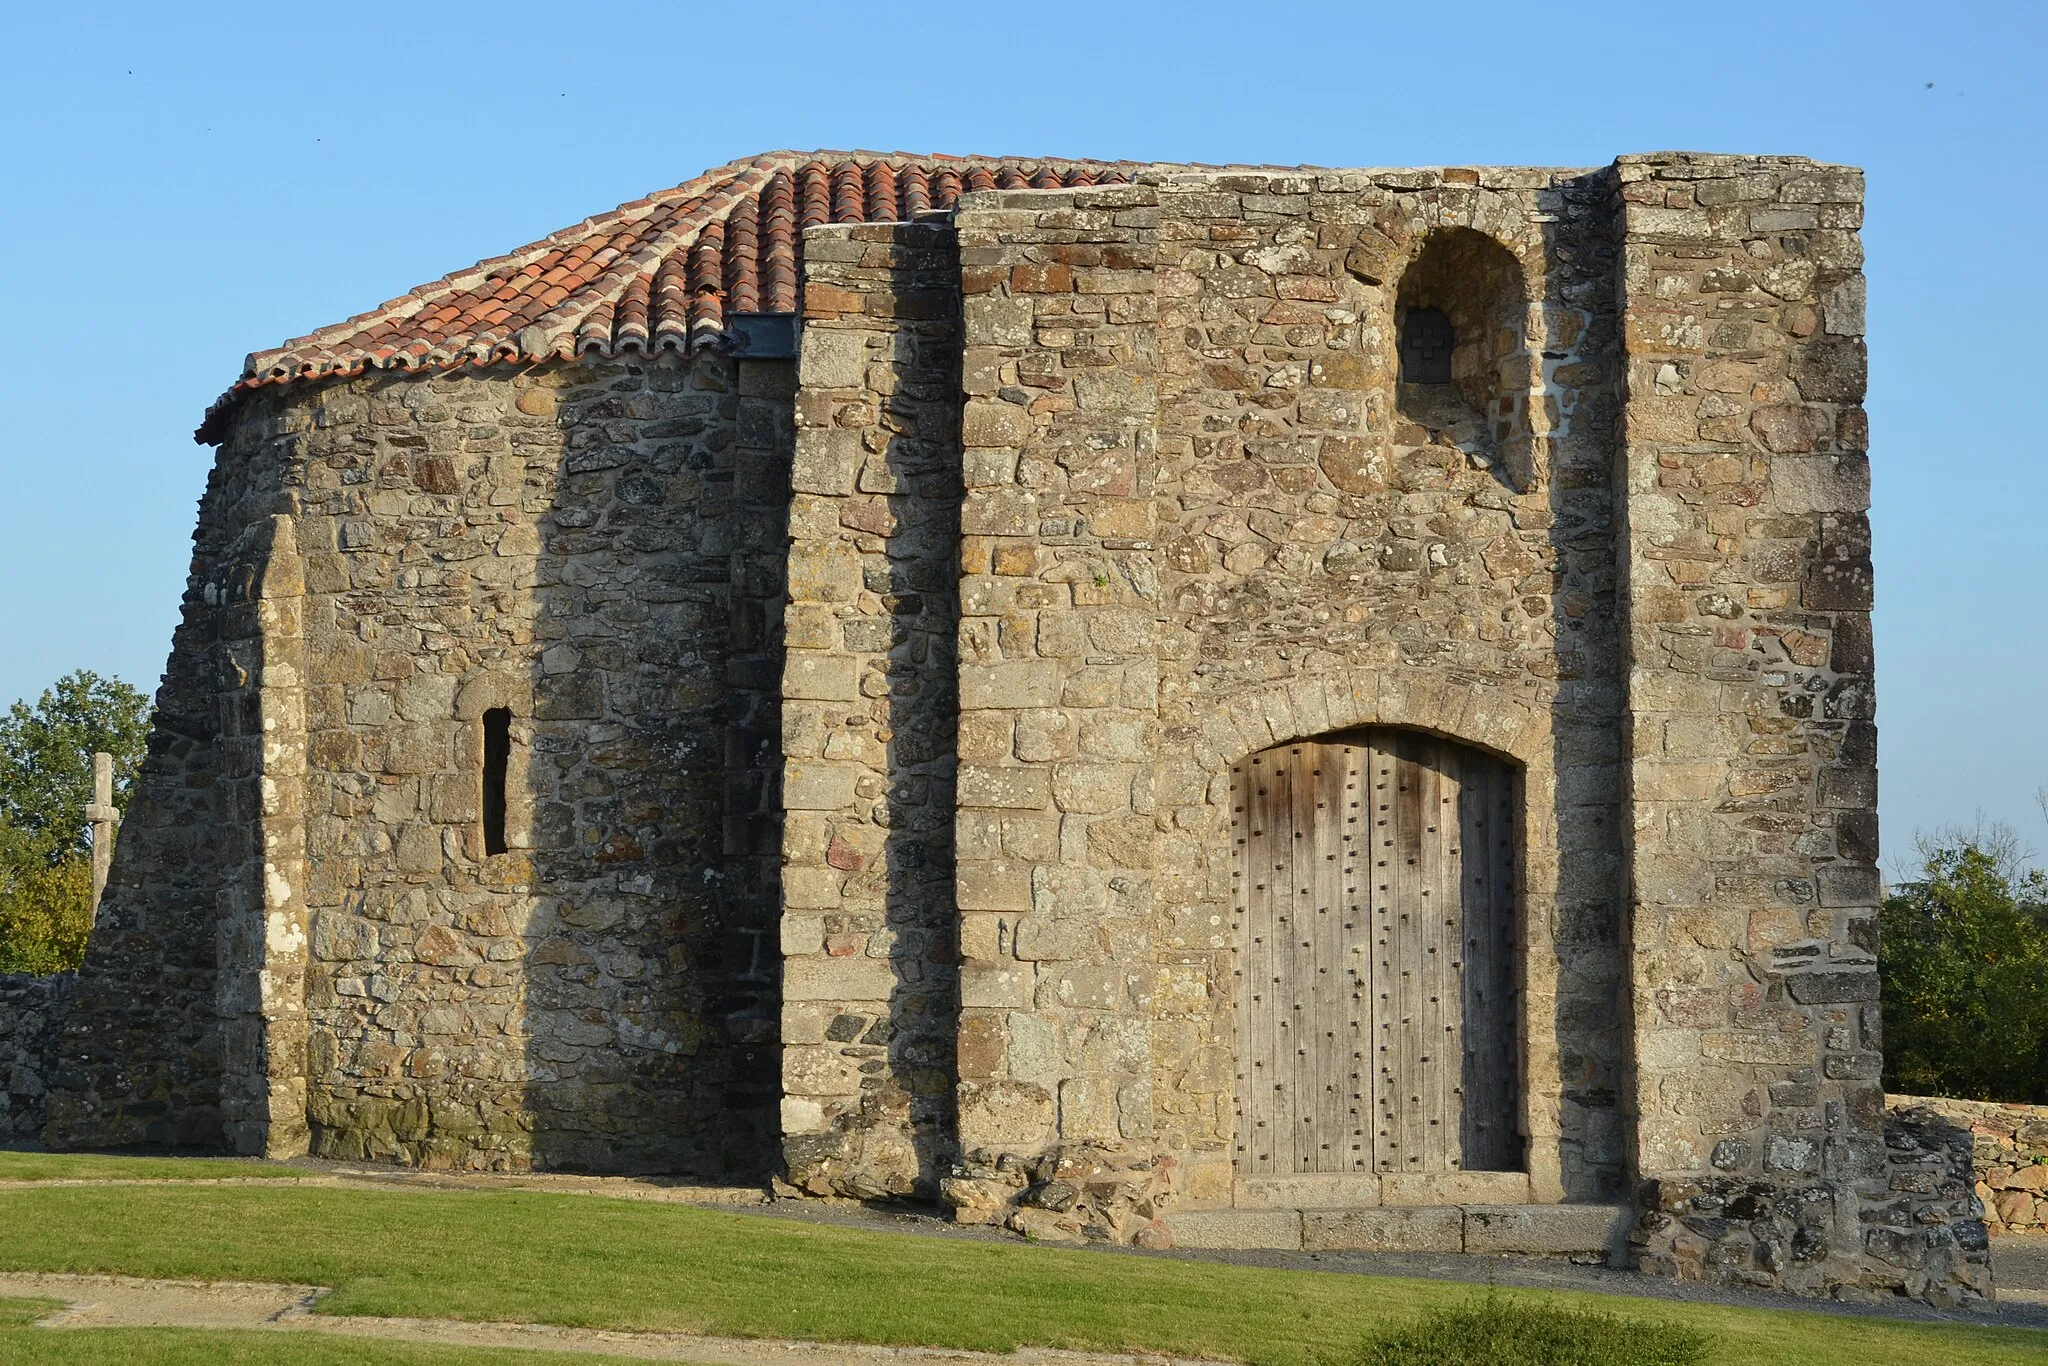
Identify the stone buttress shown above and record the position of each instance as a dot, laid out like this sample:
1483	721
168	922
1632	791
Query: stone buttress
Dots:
870	979
1752	774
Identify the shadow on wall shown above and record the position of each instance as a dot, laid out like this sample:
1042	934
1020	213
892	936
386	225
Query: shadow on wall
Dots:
648	761
544	577
923	597
1562	424
887	854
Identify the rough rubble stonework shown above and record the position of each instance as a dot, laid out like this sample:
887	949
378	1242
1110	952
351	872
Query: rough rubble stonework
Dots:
872	703
1221	525
585	549
2008	1147
26	1005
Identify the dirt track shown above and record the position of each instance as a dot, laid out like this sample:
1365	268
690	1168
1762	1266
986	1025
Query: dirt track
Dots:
124	1302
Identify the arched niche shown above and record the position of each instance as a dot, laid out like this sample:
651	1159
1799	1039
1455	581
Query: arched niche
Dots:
1464	375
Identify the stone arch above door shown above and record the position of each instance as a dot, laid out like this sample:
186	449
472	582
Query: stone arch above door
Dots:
1194	1008
1514	726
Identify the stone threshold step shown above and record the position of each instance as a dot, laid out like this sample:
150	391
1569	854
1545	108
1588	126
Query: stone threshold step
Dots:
1550	1230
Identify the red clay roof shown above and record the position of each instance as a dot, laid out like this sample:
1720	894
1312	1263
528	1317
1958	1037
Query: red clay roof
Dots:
658	274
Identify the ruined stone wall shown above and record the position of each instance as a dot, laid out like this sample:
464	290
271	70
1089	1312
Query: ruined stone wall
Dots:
1214	522
173	975
870	977
1924	1232
28	1018
2008	1147
1752	762
571	544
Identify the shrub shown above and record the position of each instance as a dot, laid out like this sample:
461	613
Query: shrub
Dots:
45	914
1501	1330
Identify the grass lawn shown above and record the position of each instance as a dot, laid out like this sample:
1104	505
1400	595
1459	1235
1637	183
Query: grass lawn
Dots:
25	1166
584	1262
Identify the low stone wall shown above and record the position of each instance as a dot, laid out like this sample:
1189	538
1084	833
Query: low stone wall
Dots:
27	1039
2009	1155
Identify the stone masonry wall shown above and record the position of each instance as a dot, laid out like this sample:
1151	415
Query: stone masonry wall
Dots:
28	1010
1059	702
569	543
1200	522
1340	549
870	975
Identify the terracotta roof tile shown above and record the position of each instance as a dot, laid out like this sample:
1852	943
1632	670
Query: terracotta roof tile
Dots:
660	273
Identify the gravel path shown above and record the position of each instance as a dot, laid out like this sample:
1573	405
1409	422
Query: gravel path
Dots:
2021	1267
126	1302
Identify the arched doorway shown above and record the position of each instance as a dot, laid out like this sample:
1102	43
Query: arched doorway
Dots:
1378	1021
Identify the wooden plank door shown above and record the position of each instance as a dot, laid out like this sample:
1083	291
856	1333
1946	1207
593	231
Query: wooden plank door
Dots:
1304	1090
1377	1021
1483	855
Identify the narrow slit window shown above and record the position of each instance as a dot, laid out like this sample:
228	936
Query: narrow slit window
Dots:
497	753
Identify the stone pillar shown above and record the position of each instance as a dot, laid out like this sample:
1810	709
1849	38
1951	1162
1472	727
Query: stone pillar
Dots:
262	923
869	959
1752	763
1058	700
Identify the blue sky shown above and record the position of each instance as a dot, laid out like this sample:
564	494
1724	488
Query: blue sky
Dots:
187	183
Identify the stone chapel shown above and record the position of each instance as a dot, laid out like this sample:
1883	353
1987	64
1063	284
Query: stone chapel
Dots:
1164	704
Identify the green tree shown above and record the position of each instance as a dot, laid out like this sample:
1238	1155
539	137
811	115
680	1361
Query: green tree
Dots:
46	756
45	784
1964	960
45	915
